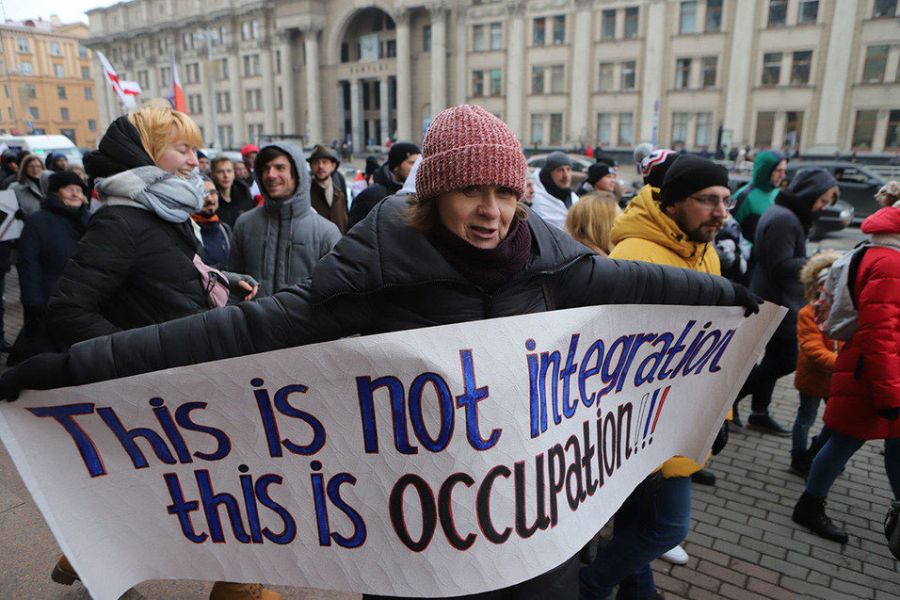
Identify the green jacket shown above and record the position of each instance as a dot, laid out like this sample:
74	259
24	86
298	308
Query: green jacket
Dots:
761	195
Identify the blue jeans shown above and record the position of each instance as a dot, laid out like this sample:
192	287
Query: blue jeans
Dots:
806	416
832	458
655	518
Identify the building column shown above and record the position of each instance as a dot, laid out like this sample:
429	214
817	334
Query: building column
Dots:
152	78
778	130
288	109
651	81
834	84
515	57
103	92
313	95
879	136
268	88
579	90
460	48
208	98
383	95
438	12
404	75
341	112
234	90
740	79
356	117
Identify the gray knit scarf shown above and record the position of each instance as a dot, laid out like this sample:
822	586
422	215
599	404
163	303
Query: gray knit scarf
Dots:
172	198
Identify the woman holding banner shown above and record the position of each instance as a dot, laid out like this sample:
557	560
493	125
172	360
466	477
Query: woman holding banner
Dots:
462	249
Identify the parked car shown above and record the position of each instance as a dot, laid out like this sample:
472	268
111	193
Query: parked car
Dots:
858	184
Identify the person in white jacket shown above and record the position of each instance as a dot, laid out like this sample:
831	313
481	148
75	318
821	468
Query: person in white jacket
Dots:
553	196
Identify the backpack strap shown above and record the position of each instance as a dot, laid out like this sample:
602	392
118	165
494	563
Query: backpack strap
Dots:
853	269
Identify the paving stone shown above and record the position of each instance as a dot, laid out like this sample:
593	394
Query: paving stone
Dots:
704	553
722	573
784	567
754	571
695	578
764	588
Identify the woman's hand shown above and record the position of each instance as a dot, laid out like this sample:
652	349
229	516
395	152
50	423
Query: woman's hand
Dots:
42	372
242	285
253	289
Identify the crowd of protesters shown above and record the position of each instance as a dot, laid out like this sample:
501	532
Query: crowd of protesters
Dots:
277	249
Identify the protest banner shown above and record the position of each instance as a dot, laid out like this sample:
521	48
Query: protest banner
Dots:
433	462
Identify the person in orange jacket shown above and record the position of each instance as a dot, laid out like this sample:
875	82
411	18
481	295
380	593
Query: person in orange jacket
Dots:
814	365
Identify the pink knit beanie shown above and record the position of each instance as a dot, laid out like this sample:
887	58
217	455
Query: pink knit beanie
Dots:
466	145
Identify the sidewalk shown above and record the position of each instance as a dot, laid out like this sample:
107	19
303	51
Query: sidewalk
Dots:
742	544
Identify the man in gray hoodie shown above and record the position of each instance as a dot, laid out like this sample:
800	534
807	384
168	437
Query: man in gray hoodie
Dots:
279	242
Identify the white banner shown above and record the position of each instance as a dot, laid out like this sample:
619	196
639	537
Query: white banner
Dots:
434	462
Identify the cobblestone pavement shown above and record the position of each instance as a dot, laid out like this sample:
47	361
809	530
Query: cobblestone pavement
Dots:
742	544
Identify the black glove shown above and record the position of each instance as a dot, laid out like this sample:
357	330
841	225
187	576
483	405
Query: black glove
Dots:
891	414
20	214
235	279
42	372
721	439
747	299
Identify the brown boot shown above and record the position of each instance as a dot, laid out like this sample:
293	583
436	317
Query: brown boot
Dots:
223	590
63	572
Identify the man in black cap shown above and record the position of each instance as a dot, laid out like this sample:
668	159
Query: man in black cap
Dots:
328	198
602	177
387	180
553	196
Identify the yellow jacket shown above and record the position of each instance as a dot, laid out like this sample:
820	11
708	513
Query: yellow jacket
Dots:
644	232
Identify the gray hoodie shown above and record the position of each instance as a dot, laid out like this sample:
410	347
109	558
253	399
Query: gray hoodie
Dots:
281	241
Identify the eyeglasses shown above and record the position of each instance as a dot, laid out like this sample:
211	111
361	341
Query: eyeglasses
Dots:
711	202
211	193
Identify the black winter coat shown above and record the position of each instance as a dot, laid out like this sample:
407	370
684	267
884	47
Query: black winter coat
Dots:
383	185
385	276
241	201
130	269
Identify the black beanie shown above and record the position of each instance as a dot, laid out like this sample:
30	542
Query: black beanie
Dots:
61	179
810	184
371	165
690	174
598	171
400	152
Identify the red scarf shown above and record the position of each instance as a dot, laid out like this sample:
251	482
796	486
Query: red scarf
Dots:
205	220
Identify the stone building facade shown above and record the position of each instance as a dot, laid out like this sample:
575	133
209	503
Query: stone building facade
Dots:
818	76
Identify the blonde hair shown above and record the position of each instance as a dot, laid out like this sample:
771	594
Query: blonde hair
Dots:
591	219
809	274
159	127
23	166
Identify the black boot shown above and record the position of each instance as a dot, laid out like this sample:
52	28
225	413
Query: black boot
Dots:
765	423
800	463
736	415
704	477
810	512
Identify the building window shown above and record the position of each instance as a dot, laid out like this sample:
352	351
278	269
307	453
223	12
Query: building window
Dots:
777	13
222	71
82	52
92	125
539	31
631	22
478	83
496	36
771	68
809	11
88	93
626	129
710	66
556	129
64	114
604	129
34	112
800	66
703	130
252	100
55	49
250	30
390	49
892	137
223	102
628	75
479	42
25	68
85	72
61	92
279	99
22	44
557	79
187	41
142	79
679	128
195	104
164	73
687	18
876	61
882	8
682	73
226	136
793	125
30	91
537	80
192	70
608	24
537	130
713	16
59	71
426	38
765	123
864	129
559	30
607	77
251	65
496	82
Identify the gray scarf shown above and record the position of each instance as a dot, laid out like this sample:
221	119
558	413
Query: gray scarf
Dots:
172	198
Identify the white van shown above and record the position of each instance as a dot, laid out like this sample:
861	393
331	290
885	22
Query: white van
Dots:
42	145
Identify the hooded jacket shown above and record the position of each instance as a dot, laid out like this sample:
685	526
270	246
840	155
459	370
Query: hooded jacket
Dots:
384	184
29	194
645	233
385	276
759	193
866	375
279	242
549	207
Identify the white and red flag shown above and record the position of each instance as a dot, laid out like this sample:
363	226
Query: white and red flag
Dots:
177	99
127	91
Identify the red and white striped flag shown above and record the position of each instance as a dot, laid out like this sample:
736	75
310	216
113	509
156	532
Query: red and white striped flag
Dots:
178	101
127	91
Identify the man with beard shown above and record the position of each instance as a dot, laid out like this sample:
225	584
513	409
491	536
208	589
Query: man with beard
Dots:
214	233
328	198
779	251
553	196
674	226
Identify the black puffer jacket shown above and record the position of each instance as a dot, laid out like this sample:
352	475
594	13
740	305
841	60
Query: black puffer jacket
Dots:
130	269
384	276
383	185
